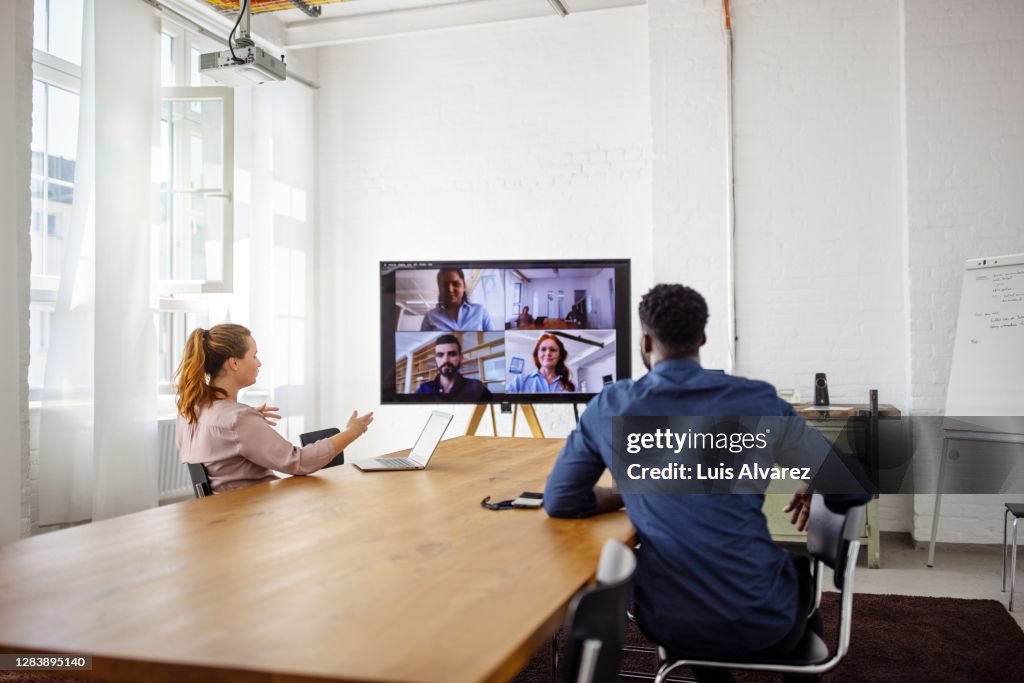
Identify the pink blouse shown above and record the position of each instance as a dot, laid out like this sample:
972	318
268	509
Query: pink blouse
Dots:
240	449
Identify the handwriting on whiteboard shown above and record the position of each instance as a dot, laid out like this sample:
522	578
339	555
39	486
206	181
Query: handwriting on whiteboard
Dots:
1005	307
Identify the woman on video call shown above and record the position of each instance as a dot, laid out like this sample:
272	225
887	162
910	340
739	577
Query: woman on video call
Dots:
453	312
236	442
552	375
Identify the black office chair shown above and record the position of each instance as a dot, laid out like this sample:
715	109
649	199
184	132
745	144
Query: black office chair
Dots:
200	481
832	540
313	437
595	626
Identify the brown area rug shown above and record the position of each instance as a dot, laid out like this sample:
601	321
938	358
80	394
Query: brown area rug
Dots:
895	638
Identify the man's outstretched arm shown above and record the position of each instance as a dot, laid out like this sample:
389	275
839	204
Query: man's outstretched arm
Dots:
571	489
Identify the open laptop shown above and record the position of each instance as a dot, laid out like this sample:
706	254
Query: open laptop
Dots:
421	452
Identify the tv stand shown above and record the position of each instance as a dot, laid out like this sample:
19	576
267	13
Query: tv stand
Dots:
528	413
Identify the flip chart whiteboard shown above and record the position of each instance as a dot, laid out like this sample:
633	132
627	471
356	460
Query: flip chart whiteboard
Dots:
987	375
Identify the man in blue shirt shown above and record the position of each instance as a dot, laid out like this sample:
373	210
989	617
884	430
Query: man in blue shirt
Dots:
453	312
710	581
450	383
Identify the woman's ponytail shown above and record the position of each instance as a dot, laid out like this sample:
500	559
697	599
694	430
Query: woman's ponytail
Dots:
204	356
192	386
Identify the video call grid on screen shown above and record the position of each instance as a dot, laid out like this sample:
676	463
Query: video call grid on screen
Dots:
579	308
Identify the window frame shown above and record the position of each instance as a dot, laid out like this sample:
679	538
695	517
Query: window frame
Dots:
179	298
177	309
225	96
52	72
181	89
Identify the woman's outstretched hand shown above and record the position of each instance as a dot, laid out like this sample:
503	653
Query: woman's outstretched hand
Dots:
270	414
359	424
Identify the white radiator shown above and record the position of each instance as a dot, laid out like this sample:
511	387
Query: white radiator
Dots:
174	481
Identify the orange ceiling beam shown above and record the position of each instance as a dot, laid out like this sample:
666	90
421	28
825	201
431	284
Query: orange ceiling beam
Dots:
231	6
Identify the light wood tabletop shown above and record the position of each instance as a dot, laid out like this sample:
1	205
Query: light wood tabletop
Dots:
344	575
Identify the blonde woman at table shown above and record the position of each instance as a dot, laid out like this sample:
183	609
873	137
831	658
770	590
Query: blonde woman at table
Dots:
235	442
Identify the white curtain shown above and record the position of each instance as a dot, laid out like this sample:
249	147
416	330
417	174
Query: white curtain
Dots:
275	183
97	434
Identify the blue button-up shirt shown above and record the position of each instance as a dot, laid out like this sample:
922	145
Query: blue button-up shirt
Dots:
710	580
471	317
534	383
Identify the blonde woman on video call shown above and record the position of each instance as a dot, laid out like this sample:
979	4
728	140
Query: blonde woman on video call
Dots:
552	375
236	442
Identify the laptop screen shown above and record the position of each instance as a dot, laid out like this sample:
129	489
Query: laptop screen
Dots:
430	437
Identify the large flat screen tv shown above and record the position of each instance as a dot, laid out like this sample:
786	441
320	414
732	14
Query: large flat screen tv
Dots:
503	331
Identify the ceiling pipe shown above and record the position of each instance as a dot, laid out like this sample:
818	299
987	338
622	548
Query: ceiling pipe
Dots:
560	7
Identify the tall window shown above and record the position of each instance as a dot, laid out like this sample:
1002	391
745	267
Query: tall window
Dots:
194	171
58	29
57	77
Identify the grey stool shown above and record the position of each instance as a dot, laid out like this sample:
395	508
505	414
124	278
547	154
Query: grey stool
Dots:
1017	510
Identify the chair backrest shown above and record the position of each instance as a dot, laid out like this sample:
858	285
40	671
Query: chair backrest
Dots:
833	538
313	437
595	627
831	535
200	481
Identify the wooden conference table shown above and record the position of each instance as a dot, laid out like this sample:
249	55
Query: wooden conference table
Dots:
344	575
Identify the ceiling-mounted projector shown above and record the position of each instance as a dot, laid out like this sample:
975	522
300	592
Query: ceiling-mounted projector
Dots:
251	66
242	63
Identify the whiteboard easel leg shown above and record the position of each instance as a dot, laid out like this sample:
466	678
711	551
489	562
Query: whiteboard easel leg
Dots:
938	502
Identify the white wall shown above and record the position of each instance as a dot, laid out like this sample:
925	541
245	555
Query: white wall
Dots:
15	136
818	247
965	170
689	112
526	139
601	304
594	368
878	145
817	184
819	192
819	197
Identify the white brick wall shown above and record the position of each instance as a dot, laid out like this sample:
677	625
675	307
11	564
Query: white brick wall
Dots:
818	189
819	249
23	101
819	242
878	145
690	185
818	202
965	170
15	135
523	139
33	473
